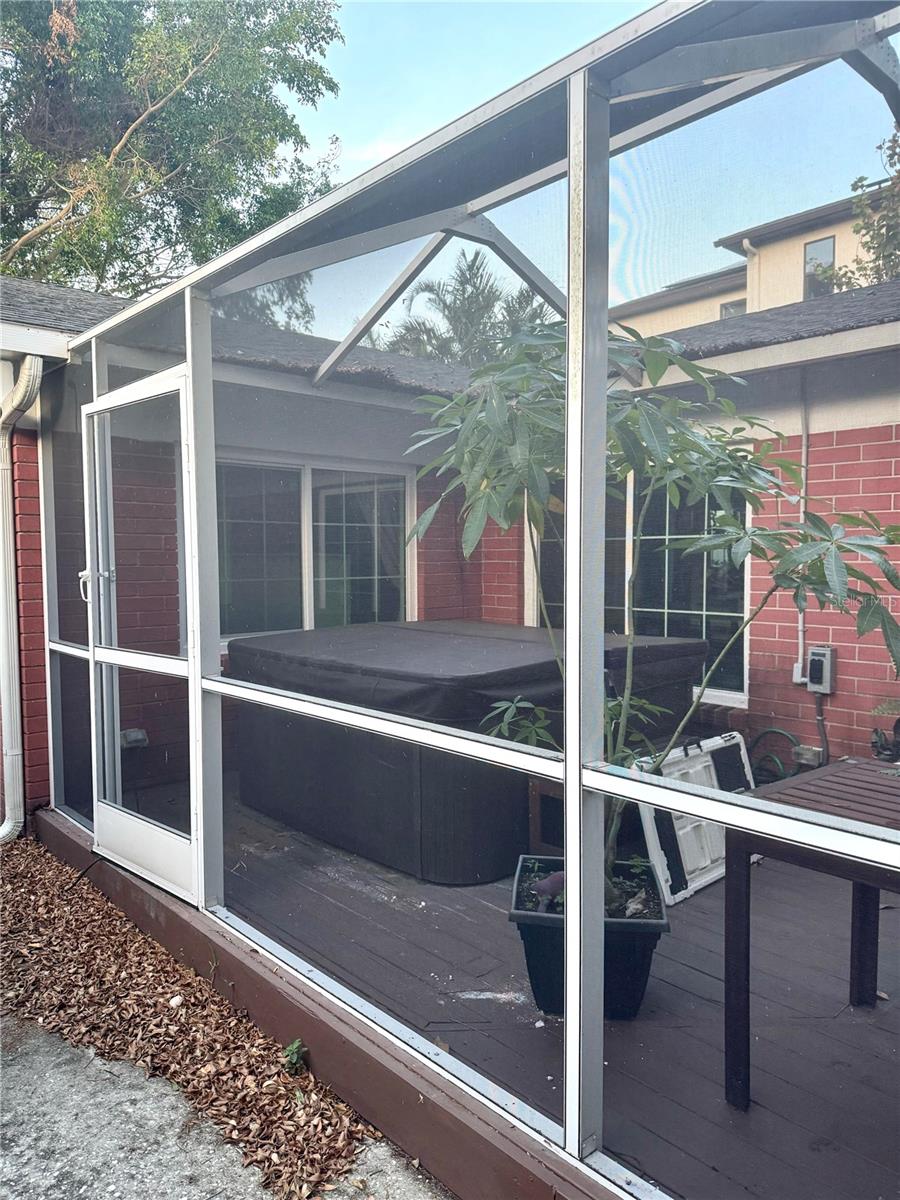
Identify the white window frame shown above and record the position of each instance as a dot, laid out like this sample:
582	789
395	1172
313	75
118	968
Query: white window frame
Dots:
306	464
722	696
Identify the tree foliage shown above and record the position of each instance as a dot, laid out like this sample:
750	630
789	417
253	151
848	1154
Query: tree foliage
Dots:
141	138
877	225
465	317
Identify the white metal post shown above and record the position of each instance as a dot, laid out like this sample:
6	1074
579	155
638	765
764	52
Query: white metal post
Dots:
584	554
202	554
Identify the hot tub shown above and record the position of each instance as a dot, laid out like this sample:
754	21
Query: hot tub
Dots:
437	816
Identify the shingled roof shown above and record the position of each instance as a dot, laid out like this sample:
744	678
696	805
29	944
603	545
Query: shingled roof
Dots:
68	310
838	313
50	306
277	349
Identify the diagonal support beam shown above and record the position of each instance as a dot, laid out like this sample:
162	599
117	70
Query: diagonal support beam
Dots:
381	305
339	251
702	106
485	232
707	63
879	65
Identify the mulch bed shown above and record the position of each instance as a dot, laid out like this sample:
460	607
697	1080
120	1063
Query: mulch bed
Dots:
72	961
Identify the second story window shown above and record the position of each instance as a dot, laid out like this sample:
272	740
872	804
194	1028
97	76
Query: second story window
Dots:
818	256
732	308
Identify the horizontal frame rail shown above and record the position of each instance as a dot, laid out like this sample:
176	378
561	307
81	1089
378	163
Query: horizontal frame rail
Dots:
833	835
465	745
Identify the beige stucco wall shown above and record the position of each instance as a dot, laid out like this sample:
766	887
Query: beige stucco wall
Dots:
774	277
681	316
775	273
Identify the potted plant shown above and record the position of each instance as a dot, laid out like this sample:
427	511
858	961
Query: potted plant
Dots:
501	448
635	920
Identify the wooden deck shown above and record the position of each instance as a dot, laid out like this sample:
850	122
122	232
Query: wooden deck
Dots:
825	1115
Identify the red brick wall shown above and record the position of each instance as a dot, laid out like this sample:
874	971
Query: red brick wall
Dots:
31	619
487	587
849	471
145	498
146	533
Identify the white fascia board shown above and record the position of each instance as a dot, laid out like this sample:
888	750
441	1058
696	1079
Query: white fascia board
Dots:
788	354
31	339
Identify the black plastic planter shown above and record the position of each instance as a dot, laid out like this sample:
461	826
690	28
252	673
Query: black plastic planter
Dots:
628	951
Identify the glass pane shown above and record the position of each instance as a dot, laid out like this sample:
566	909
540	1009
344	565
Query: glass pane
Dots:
821	1107
70	705
145	532
415	600
792	450
151	733
259	548
145	344
817	261
391	867
355	545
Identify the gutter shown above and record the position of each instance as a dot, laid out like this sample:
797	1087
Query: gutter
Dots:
14	405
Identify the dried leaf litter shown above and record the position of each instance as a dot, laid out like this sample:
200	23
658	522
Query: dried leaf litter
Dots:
72	961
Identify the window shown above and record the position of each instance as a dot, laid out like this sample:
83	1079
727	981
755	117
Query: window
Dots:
818	256
676	594
732	308
358	548
688	595
259	548
355	525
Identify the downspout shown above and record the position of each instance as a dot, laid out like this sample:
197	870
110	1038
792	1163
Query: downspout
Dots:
14	404
751	252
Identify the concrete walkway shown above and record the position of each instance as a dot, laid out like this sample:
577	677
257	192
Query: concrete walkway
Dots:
74	1125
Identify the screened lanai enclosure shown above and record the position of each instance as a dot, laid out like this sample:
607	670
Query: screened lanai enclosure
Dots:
400	600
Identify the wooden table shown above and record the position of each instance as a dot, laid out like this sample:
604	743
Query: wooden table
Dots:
858	789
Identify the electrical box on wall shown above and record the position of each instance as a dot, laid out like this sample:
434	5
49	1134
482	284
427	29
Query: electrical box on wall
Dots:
820	670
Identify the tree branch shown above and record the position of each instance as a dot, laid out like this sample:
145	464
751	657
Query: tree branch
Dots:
150	111
160	104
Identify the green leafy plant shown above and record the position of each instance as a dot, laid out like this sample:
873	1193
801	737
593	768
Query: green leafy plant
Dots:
461	319
500	446
295	1056
876	208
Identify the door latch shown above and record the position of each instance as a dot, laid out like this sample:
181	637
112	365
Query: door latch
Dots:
84	583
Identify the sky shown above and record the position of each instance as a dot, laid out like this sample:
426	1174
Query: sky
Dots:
406	68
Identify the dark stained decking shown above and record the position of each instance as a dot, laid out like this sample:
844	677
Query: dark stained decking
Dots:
825	1119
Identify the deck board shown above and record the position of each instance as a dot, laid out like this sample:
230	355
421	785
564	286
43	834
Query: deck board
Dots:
447	962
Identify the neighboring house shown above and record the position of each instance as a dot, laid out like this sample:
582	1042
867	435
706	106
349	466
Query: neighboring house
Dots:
783	261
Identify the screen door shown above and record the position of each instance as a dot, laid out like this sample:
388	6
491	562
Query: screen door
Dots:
144	808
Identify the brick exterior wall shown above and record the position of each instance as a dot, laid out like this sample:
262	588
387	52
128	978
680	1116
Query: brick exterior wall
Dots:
849	470
31	619
145	501
488	587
